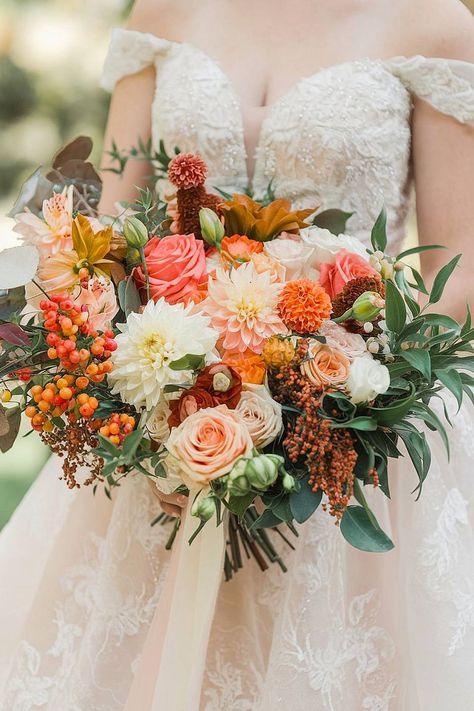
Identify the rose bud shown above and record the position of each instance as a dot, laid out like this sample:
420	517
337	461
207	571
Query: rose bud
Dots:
238	486
367	306
262	471
204	508
135	233
289	482
212	229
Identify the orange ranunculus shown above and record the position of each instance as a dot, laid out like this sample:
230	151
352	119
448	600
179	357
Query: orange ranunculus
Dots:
325	366
249	365
304	305
347	266
190	402
238	249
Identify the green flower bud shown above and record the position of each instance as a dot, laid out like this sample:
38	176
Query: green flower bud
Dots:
135	233
212	228
289	482
387	269
262	471
238	486
204	508
367	306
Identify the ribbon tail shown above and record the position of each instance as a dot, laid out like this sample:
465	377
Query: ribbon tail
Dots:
174	654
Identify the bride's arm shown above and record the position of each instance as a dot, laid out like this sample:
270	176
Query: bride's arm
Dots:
443	155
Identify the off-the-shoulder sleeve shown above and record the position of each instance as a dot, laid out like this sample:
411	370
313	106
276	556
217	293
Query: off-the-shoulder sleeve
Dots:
130	52
446	84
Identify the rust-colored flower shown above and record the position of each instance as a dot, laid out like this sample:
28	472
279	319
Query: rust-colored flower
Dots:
248	365
245	216
190	402
222	382
278	352
304	305
187	170
238	249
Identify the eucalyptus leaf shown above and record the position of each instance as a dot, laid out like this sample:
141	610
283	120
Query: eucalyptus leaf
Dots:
303	503
128	296
367	424
266	520
419	250
333	220
360	532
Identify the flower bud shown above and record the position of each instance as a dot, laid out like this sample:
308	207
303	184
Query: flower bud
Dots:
367	306
238	486
204	508
262	471
289	482
399	266
221	382
387	269
135	233
368	327
212	229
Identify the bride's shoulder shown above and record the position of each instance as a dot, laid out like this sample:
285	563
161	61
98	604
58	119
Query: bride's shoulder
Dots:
436	28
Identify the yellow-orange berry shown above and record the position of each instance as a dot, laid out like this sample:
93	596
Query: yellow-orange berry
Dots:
52	353
94	403
104	430
44	406
31	411
62	383
115	439
83	399
114	428
86	411
65	393
47	395
48	426
82	382
36	390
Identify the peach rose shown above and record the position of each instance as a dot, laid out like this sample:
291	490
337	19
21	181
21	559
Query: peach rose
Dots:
101	303
207	444
346	267
351	344
176	266
264	263
325	366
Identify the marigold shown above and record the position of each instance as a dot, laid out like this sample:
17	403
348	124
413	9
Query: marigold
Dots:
248	365
304	305
278	352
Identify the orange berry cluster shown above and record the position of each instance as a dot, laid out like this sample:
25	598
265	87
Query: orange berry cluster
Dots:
61	396
65	322
117	427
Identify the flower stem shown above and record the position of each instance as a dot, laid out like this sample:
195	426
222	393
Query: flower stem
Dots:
145	269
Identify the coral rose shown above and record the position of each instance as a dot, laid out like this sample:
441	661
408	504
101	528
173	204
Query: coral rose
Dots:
346	267
325	366
190	402
222	382
248	365
207	444
176	266
238	249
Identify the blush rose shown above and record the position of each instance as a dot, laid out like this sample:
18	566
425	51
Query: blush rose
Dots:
347	266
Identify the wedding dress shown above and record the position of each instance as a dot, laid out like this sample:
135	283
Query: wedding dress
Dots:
82	577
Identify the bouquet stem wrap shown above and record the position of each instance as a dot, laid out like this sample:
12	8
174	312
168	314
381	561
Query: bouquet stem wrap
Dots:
170	671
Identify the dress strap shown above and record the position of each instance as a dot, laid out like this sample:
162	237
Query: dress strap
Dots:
130	52
446	84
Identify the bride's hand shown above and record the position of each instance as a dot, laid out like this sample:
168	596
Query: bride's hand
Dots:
172	504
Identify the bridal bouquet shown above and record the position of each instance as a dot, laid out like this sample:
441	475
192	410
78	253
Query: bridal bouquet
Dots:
248	354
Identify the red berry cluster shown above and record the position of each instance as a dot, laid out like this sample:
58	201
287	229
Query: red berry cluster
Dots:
66	324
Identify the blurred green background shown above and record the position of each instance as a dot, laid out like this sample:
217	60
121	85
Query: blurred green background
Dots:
51	54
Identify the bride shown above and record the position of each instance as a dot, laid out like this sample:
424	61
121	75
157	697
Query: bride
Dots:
346	104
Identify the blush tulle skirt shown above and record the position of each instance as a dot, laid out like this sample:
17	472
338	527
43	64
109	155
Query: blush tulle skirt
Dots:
95	614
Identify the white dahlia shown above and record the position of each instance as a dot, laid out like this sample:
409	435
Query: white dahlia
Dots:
243	307
149	343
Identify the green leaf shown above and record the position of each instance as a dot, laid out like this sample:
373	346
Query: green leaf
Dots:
303	503
367	424
239	504
425	413
420	284
266	520
468	322
441	279
333	220
108	446
132	442
395	308
418	359
418	250
379	232
188	362
128	296
437	320
360	532
396	411
451	380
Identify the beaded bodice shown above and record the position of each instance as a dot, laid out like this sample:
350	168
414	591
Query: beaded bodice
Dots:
340	138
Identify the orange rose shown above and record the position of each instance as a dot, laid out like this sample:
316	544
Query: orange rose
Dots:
207	444
325	366
238	249
347	266
249	365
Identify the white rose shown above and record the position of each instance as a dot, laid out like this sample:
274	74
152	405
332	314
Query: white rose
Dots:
367	379
261	414
157	424
292	253
325	245
351	344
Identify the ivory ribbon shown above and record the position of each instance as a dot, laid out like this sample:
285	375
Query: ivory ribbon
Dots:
170	671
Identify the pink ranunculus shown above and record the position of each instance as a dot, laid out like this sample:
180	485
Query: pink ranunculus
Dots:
207	443
176	266
346	267
101	303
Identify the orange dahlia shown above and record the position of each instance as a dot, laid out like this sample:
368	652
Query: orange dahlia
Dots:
248	365
304	305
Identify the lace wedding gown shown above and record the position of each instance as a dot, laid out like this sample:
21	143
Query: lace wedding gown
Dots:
81	577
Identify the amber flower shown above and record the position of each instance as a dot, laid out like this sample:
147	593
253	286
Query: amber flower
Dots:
244	216
304	305
223	382
237	249
188	172
249	365
350	292
278	352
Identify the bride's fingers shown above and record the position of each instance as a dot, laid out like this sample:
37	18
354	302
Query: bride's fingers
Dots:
178	500
174	511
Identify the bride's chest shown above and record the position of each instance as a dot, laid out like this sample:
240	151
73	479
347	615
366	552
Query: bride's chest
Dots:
326	129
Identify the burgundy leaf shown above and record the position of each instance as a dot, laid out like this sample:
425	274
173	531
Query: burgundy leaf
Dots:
11	333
